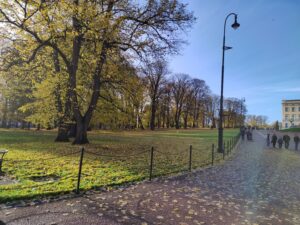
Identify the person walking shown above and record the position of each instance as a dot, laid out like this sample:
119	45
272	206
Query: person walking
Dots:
250	136
268	139
274	140
243	132
286	139
296	140
280	142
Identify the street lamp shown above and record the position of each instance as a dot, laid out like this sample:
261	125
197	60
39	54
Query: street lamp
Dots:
235	25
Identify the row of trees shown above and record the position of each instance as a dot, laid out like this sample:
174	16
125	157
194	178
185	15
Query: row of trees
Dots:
257	121
151	98
76	64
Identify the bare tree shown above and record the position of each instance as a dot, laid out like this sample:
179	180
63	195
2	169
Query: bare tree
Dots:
200	92
180	87
155	73
166	104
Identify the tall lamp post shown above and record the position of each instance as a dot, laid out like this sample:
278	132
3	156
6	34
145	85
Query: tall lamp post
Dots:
235	25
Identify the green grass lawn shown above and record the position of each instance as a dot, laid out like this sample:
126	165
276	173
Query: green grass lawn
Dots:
294	129
125	158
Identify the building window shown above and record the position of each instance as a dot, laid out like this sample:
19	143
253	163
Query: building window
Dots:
286	109
286	125
293	109
299	109
287	117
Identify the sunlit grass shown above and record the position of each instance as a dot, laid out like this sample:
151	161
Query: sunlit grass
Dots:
171	155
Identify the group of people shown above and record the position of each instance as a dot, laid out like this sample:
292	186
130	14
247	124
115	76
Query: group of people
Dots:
282	140
247	132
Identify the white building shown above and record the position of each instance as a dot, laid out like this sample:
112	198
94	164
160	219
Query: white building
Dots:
290	113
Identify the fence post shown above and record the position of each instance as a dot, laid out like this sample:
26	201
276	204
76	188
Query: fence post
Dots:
212	154
224	149
190	159
228	147
79	171
151	163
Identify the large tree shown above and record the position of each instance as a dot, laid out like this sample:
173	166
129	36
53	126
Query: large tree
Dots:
86	33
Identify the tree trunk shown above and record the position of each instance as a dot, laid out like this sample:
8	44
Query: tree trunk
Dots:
72	131
141	122
62	134
185	118
152	118
158	121
168	118
163	119
82	121
81	132
177	125
63	114
4	118
213	122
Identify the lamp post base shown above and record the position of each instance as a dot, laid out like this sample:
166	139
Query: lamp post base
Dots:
220	140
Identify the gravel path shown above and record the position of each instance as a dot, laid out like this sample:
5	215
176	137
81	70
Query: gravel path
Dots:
257	186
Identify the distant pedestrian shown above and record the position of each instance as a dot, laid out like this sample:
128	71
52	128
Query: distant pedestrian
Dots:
274	140
296	140
250	136
268	139
243	132
286	139
280	142
248	133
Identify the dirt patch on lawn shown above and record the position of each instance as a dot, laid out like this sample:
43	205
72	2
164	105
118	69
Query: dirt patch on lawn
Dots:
45	178
5	180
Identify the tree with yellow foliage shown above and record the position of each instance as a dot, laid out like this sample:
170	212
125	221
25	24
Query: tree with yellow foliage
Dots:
86	33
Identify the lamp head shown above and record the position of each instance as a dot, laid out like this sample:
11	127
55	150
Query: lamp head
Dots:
235	25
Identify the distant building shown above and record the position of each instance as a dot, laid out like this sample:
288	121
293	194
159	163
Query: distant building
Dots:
290	113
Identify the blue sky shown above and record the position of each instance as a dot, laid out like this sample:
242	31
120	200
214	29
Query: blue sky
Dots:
264	64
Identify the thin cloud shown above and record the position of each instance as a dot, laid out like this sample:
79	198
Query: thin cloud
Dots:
282	89
296	89
277	89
